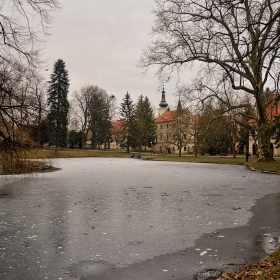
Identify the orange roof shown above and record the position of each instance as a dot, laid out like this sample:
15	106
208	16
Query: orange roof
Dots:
117	124
166	116
272	110
170	116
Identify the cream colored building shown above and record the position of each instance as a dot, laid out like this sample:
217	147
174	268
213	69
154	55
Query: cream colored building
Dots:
165	138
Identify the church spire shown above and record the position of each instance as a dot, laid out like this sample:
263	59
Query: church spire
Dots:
163	103
179	108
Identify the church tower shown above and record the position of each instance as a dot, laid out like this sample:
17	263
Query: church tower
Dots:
163	105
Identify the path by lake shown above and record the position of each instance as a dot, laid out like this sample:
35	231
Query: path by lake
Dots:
98	215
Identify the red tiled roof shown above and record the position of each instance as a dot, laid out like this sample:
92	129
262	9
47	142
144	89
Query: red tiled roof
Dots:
166	116
272	110
117	124
170	116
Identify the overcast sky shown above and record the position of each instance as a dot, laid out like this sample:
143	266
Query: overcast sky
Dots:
101	42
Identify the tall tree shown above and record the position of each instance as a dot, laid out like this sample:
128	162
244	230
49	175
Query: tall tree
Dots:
238	42
38	94
143	123
82	103
59	105
100	117
126	113
94	109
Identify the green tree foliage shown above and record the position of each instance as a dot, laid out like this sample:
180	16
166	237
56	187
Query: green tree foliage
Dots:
75	139
58	105
126	113
143	123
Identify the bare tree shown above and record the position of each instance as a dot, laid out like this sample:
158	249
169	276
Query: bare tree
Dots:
179	130
82	110
17	115
21	24
94	109
21	105
237	41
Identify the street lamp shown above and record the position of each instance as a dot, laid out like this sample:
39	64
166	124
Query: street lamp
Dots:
151	147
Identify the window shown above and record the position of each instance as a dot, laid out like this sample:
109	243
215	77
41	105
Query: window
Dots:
161	126
185	148
185	136
167	126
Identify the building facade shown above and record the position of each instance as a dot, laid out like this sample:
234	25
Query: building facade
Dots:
174	129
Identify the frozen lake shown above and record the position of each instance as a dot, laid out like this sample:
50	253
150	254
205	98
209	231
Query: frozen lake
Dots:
119	211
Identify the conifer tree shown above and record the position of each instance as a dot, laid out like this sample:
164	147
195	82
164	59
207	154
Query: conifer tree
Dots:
58	105
126	113
143	123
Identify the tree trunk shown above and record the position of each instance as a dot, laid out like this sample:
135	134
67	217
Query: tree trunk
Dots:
83	141
233	144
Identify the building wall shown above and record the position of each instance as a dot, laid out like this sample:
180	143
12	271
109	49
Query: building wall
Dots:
165	143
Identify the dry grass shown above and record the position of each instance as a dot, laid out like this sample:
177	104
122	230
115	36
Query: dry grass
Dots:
273	166
267	269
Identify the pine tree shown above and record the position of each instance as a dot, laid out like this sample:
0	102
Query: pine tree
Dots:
150	127
143	123
126	113
58	105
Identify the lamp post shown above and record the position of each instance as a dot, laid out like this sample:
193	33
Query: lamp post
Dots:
151	147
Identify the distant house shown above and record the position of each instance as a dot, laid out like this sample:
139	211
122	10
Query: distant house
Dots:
116	127
116	134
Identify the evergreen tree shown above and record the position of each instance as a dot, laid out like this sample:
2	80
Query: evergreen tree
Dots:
75	138
126	113
59	105
143	123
